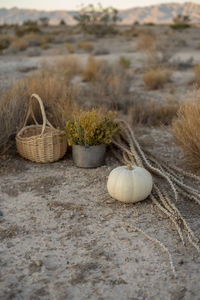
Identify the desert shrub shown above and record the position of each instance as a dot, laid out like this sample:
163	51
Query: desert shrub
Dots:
33	52
135	31
70	39
22	43
85	45
146	42
186	128
145	31
99	21
27	27
46	38
124	62
32	39
5	41
19	44
198	46
150	24
56	93
156	77
151	113
130	33
2	46
180	22
64	67
62	22
69	47
107	85
197	74
45	46
44	21
128	38
59	38
92	69
101	51
12	110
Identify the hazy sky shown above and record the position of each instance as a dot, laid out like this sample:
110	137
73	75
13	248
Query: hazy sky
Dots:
75	4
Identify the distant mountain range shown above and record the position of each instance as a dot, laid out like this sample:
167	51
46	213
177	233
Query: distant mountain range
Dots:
161	13
16	15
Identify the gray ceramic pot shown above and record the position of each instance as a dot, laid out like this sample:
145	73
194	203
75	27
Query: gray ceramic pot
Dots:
88	156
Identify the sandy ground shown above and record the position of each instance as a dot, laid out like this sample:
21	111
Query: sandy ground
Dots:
63	237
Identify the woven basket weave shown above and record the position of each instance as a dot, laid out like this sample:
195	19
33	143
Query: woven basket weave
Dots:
40	143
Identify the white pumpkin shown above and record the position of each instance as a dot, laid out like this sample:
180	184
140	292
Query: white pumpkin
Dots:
129	184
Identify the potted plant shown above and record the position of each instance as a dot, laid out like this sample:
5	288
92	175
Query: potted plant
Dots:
89	132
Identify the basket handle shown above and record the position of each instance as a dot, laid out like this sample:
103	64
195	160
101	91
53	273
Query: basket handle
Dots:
31	113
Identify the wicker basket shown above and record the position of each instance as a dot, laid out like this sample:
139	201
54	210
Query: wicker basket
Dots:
40	143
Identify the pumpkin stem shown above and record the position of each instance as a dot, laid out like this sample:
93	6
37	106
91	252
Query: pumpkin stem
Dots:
129	167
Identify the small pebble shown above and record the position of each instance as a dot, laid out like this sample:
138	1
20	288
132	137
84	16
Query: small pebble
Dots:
1	213
38	263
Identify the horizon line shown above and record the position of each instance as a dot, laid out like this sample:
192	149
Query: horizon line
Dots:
120	9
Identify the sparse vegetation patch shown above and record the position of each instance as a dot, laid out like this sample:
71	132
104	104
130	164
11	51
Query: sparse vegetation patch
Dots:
180	22
99	21
87	46
156	77
186	128
150	113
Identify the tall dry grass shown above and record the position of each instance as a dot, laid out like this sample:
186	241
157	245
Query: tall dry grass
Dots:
65	68
92	69
57	94
156	77
197	74
186	128
86	46
153	114
12	110
28	40
70	47
107	85
146	42
19	44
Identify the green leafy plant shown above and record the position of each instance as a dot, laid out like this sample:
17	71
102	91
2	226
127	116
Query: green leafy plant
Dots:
99	21
93	127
